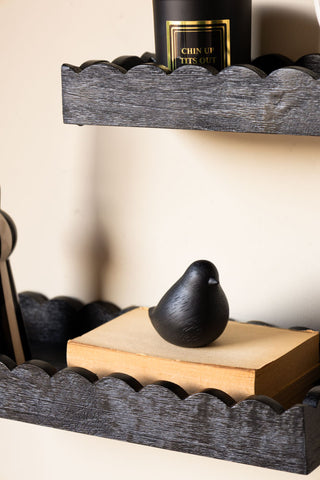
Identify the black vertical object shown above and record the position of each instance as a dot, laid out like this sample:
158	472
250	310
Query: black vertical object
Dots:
13	339
194	40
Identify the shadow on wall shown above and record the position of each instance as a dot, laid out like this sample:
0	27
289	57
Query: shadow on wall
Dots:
91	250
95	257
285	31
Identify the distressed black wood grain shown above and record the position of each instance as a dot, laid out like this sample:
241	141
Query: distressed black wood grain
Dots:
255	431
237	99
312	422
51	323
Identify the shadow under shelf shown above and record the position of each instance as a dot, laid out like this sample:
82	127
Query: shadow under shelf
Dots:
272	95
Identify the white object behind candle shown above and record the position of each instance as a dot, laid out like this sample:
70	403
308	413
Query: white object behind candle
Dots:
317	7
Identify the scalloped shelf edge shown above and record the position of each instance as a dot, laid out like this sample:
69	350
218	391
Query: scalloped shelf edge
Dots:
240	98
255	431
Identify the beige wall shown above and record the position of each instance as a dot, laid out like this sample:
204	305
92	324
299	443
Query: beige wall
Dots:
30	452
120	213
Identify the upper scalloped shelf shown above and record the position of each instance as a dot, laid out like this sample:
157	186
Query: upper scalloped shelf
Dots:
257	98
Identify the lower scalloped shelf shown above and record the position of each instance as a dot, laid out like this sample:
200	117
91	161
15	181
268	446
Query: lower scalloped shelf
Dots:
256	431
240	98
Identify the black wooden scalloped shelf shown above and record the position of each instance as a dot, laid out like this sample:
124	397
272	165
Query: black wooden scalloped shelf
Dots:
240	98
256	431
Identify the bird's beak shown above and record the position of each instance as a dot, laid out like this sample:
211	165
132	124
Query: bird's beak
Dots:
212	281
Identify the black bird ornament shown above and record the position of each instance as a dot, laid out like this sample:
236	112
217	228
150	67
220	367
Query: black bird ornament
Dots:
194	312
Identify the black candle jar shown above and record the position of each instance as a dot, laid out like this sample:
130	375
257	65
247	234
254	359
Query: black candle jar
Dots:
202	32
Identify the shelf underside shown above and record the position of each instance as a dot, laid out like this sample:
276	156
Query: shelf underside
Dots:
256	431
240	98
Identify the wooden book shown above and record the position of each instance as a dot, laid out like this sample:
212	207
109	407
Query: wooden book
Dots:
246	360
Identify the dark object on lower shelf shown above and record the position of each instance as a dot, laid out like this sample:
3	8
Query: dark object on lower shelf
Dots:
255	431
51	323
194	311
240	98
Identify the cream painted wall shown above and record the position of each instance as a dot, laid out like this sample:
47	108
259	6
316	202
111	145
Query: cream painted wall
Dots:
55	454
119	213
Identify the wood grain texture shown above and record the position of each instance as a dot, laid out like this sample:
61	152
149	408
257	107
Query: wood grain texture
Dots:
237	99
312	422
51	323
255	431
